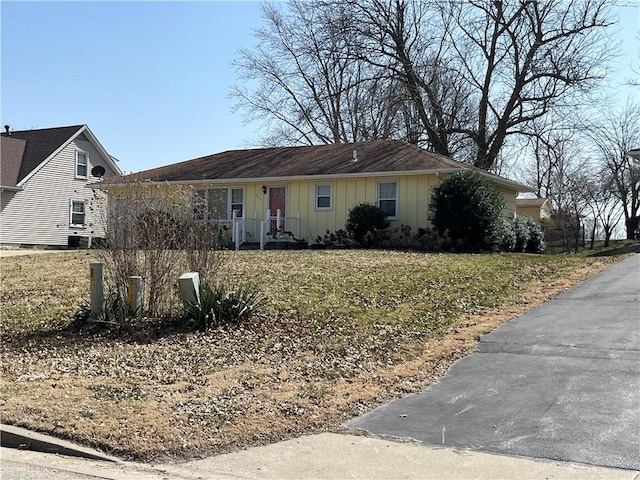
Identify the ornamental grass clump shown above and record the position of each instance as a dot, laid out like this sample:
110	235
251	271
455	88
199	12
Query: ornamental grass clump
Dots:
114	312
224	305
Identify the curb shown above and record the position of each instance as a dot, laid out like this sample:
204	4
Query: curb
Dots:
23	439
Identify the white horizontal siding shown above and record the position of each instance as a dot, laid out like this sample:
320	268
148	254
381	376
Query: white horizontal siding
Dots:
39	214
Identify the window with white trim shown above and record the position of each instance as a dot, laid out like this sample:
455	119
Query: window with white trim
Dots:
82	164
323	196
388	198
216	204
77	213
237	201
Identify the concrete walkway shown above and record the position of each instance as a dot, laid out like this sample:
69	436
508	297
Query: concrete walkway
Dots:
325	456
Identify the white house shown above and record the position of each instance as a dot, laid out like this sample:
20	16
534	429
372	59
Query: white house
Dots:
44	175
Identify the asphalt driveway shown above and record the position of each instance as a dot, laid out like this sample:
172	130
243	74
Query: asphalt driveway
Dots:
561	382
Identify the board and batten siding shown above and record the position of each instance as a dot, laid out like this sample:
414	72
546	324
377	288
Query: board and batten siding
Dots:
413	195
39	214
414	192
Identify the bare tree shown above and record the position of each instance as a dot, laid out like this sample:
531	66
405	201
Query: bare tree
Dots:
604	207
456	77
555	157
405	40
614	134
522	60
309	88
559	169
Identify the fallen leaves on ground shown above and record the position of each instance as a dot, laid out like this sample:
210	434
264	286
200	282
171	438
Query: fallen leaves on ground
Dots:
343	333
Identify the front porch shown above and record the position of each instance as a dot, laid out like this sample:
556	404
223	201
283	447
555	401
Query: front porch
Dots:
275	232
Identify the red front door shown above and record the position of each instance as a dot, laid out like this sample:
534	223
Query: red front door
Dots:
277	200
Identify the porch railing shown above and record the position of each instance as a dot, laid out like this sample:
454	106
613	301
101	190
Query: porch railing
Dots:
239	228
275	226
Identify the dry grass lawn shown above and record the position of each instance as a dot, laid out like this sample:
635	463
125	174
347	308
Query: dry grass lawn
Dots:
342	332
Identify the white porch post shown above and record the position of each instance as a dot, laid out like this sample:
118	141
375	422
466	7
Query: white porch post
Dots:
266	223
254	226
278	220
298	228
234	230
233	226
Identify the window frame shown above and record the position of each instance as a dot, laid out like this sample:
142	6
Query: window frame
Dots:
201	208
395	199
72	202
231	203
78	164
317	196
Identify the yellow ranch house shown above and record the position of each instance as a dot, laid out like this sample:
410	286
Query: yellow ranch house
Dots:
293	193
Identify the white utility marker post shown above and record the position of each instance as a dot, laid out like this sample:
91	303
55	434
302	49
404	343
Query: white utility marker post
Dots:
189	286
97	292
135	295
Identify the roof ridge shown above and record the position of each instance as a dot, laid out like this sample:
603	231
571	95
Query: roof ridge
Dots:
46	128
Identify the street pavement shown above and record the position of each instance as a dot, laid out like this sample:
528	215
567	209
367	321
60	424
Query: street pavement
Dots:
553	394
561	382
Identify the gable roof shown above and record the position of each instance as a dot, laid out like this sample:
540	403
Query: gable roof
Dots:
532	202
40	146
377	157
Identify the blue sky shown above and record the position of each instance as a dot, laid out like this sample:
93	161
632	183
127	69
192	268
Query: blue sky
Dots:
151	79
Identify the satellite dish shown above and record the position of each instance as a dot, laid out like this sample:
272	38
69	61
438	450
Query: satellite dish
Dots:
98	171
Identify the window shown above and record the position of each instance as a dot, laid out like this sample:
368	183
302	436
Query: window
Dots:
76	213
199	204
82	164
323	197
237	201
388	198
215	204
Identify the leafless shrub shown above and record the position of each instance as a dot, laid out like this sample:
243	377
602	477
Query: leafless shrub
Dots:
150	233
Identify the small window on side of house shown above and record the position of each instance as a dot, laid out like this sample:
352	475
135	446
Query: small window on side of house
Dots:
77	213
82	164
323	197
388	199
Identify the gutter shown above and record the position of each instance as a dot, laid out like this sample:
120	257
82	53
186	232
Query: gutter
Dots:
227	181
7	188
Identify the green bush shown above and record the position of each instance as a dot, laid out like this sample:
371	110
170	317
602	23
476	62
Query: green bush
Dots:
521	229
221	304
468	208
506	238
521	234
364	221
529	235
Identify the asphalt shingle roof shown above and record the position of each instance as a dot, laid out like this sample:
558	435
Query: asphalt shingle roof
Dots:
40	144
333	159
11	153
